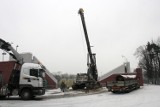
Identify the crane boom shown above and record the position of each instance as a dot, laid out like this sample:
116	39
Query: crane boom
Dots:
7	47
81	12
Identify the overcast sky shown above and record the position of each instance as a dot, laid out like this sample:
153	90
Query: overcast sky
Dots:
52	30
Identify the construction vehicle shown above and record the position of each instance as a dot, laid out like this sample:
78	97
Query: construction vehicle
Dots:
89	79
125	82
20	78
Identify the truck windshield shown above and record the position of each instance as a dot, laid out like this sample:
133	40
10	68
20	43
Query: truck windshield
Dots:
37	72
34	72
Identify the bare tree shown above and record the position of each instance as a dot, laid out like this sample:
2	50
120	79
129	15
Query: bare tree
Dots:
149	60
68	79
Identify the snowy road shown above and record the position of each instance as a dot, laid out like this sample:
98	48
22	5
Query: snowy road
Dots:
147	96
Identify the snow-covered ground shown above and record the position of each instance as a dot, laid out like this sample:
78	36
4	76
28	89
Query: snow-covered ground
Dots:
147	96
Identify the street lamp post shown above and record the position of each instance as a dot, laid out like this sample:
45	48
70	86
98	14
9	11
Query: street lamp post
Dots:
125	63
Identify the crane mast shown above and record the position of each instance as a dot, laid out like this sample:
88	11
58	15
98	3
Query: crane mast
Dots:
92	69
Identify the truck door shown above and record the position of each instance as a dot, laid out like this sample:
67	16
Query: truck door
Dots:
34	80
29	77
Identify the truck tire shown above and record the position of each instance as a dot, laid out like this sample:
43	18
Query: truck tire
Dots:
26	94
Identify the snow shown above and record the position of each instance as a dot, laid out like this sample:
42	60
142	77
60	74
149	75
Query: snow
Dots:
146	96
129	76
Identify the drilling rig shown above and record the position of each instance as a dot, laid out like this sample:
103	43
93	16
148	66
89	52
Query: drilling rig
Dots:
87	80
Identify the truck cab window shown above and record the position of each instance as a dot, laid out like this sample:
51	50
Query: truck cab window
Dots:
34	72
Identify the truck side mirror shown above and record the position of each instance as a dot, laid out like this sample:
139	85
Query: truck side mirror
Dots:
43	74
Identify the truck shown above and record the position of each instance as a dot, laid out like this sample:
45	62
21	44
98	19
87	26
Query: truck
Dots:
125	82
25	80
89	79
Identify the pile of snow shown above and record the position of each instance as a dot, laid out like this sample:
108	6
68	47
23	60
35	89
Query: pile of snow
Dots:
57	92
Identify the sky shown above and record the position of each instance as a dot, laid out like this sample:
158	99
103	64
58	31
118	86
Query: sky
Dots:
52	31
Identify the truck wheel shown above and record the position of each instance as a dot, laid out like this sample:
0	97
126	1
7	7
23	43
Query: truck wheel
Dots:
26	94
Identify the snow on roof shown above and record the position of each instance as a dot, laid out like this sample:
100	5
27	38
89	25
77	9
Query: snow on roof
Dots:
119	69
129	76
31	65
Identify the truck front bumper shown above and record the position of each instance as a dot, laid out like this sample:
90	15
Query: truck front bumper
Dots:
39	91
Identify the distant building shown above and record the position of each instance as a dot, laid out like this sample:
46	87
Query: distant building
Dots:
108	76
